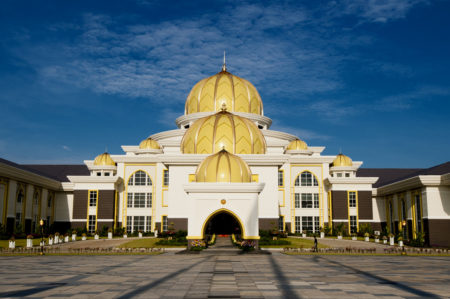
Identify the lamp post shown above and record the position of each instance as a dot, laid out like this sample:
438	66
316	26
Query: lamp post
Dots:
403	229
41	223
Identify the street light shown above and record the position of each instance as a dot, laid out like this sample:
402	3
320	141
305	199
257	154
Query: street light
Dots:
403	233
41	223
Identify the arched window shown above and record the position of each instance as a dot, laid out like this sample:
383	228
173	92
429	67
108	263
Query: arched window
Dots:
139	178
306	179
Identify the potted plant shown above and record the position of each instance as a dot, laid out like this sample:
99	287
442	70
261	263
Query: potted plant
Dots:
50	239
354	237
96	235
366	237
140	233
198	245
377	239
74	235
400	241
247	245
322	232
384	239
391	240
12	242
56	240
125	235
66	238
110	233
339	236
29	241
304	234
83	237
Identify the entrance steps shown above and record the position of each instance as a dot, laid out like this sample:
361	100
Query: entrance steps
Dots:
223	246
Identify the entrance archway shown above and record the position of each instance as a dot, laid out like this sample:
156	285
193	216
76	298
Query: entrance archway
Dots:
222	223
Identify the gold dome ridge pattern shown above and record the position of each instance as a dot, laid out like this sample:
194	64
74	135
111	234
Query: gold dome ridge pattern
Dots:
297	144
342	160
149	143
223	167
104	160
223	130
210	93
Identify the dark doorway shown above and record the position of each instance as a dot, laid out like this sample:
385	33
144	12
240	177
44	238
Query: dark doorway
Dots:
223	223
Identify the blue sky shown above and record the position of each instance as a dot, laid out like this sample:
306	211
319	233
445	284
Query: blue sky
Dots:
368	77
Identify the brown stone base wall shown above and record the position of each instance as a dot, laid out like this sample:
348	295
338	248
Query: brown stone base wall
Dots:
178	223
78	224
268	223
374	225
345	228
437	231
100	224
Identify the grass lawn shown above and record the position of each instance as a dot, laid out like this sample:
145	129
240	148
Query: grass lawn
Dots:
146	243
296	243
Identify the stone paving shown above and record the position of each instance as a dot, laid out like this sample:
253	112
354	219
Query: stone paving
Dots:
224	276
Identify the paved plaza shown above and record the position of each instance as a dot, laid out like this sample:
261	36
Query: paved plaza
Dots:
224	276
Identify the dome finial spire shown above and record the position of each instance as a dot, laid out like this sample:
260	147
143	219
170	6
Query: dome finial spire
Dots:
224	66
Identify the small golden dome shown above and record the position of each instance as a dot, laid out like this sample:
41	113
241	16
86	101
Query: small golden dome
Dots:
223	130
223	167
210	93
149	144
104	160
342	160
297	144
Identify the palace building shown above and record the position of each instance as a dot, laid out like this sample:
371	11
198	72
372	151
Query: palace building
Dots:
222	170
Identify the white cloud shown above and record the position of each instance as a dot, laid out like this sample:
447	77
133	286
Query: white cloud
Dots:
66	148
303	134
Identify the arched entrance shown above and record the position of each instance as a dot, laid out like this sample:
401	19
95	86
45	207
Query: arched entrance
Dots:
222	223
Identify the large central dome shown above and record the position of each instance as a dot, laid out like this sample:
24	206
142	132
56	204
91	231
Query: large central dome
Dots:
236	93
223	130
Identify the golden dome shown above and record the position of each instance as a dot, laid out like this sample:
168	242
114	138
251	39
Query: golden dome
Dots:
104	160
342	160
223	130
210	93
223	167
149	144
297	144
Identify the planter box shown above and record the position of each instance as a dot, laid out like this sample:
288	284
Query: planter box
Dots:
96	237
366	239
391	241
56	241
303	235
83	238
42	243
354	238
339	237
125	236
50	241
400	243
384	241
377	240
140	235
74	237
322	235
109	235
12	244
29	243
66	239
156	233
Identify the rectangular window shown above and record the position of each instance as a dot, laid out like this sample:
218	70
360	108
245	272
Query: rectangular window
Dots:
339	175
347	175
130	200
353	225
106	173
139	200
138	223
307	201
93	198
148	224
49	202
281	223
307	224
91	223
297	200
149	200
166	177
316	224
352	199
298	227
164	224
18	219
316	200
280	178
129	223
